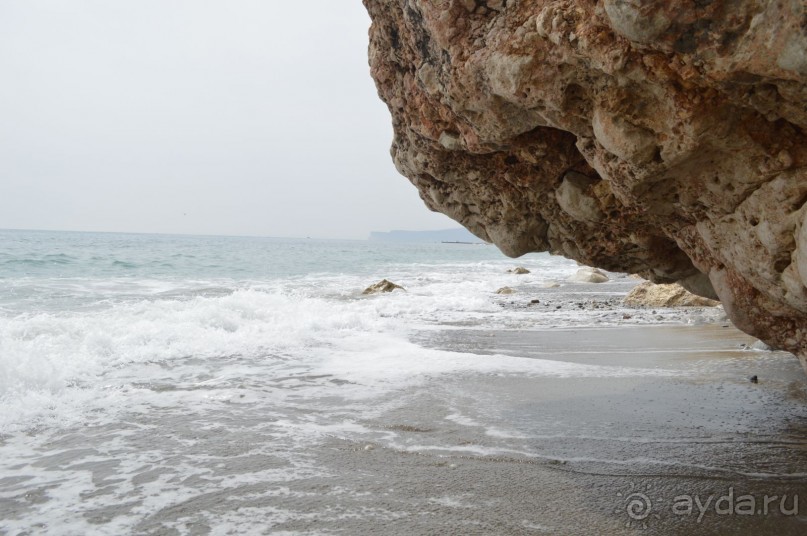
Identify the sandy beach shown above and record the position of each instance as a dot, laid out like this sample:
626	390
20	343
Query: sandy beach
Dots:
497	454
494	451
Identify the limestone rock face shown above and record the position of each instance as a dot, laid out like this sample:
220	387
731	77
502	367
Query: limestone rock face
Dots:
650	294
664	138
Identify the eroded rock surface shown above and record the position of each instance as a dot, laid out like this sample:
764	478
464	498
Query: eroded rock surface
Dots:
649	294
664	138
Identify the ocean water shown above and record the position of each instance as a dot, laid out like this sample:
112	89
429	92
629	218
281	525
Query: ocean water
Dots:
87	316
156	384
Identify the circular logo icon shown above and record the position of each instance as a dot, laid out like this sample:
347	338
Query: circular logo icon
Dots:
638	506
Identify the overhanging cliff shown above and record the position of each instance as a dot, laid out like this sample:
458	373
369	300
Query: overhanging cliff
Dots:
664	138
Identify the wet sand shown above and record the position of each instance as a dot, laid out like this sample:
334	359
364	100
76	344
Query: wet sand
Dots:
482	450
494	454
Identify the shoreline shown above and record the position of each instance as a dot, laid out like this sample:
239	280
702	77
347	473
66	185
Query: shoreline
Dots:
293	404
486	452
472	449
544	449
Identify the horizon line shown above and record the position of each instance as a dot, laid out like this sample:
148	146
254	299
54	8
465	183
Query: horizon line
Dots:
206	235
224	235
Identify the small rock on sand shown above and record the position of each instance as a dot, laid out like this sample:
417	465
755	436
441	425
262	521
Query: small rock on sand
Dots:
589	275
382	286
762	347
650	294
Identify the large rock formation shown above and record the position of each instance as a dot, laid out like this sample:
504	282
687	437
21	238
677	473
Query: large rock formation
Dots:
664	138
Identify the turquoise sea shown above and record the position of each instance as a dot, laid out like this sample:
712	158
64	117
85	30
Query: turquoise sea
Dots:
77	307
63	270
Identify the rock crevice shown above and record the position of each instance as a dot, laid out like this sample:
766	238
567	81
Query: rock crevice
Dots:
635	135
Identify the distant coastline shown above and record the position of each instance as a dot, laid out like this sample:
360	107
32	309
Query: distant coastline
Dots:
445	236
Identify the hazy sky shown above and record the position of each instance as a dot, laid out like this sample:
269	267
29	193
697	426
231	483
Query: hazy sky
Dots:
196	116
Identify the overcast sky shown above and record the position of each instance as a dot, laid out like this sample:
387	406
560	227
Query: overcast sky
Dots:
253	117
